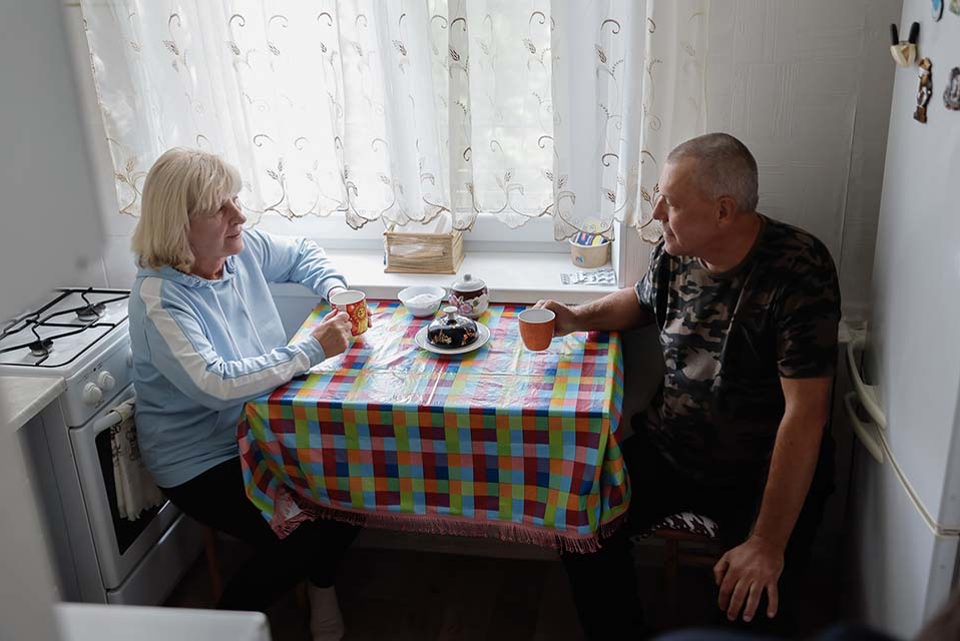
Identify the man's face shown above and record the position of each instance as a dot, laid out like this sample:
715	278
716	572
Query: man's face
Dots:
688	218
218	235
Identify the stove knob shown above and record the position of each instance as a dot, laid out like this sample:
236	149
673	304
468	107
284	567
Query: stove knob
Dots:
92	394
106	381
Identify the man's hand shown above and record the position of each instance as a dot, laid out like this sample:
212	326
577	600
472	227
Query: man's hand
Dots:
743	573
565	321
333	333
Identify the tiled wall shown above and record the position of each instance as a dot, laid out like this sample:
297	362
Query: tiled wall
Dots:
804	83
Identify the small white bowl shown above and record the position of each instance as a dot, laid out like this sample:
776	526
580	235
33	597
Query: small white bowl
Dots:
429	297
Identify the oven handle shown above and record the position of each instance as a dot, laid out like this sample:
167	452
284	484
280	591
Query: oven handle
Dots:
111	418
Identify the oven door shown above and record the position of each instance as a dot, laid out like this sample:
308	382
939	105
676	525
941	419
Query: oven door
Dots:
120	543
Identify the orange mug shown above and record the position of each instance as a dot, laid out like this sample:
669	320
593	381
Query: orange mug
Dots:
354	303
536	328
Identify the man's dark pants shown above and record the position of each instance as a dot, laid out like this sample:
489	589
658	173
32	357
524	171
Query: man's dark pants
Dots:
604	583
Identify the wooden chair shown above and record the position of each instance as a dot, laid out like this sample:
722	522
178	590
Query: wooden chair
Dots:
216	578
688	539
213	563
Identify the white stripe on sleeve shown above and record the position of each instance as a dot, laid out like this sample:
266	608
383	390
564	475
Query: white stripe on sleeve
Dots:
209	382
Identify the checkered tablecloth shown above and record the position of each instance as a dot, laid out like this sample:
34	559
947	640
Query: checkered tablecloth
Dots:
499	442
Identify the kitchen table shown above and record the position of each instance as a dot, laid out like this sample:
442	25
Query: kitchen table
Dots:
499	442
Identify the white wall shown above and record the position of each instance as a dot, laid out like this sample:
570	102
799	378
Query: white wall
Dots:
115	268
806	84
49	227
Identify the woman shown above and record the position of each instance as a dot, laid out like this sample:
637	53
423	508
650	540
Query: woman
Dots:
206	338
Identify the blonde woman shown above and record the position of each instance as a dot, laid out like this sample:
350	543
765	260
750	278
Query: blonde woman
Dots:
206	338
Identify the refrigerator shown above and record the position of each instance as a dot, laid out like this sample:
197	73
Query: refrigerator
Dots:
904	496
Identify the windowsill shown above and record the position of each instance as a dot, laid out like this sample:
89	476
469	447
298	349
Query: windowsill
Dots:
510	277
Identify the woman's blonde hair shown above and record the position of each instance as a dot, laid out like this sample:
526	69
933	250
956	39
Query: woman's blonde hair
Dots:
181	185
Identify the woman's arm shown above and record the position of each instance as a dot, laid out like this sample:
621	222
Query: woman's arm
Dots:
181	351
286	259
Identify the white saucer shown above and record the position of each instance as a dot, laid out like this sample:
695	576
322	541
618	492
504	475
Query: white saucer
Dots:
483	335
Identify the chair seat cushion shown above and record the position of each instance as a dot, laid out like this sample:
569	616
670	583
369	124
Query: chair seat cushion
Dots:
685	522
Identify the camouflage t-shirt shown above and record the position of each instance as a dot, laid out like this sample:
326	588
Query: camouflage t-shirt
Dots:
727	338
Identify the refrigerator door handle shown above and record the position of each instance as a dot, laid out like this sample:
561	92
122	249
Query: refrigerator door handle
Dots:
864	431
867	393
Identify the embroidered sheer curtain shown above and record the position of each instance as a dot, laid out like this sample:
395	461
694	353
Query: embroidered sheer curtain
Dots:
406	111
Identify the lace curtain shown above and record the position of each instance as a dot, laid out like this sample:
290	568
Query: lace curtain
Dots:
403	111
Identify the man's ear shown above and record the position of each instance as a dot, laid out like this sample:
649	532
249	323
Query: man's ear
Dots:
726	208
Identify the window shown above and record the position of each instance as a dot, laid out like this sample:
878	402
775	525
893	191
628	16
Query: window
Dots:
396	112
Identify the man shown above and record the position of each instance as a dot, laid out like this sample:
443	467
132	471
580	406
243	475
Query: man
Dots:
747	309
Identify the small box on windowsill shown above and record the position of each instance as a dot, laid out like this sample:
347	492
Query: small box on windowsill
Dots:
435	248
589	250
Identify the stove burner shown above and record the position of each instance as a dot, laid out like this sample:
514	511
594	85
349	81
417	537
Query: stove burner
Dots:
61	333
91	312
40	348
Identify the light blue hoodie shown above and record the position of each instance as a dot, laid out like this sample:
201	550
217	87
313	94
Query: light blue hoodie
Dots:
202	348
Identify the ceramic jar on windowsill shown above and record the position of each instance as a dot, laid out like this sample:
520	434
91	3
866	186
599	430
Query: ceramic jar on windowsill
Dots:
470	296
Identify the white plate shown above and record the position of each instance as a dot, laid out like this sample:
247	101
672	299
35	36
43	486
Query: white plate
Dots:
483	335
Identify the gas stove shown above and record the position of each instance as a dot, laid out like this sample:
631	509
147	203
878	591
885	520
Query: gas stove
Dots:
79	334
55	337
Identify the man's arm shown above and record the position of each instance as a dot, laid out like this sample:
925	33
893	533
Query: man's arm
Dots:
744	572
614	312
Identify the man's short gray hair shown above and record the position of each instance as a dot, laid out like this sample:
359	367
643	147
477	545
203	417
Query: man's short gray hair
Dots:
725	167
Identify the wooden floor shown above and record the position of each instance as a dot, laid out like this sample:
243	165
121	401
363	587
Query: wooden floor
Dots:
403	594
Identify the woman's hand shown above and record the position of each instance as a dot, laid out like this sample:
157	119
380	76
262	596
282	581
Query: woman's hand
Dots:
565	321
333	333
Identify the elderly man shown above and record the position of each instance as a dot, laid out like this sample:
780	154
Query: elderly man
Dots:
747	310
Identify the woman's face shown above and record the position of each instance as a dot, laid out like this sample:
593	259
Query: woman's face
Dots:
218	235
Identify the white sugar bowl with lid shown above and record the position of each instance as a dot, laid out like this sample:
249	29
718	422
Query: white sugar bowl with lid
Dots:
470	296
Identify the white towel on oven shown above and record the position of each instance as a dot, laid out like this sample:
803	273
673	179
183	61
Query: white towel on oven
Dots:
136	490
